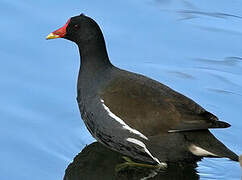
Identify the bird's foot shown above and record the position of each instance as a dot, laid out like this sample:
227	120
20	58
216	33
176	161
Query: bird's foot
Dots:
131	164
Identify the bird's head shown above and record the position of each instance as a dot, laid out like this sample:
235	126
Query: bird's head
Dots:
79	29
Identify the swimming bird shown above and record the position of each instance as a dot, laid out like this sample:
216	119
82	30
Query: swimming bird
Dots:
133	114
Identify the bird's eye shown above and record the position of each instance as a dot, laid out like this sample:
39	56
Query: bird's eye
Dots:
76	26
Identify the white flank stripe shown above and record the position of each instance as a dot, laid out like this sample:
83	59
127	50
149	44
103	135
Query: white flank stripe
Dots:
125	126
139	143
173	131
198	151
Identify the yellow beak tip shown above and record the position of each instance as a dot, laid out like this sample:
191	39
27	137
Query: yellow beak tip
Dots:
52	36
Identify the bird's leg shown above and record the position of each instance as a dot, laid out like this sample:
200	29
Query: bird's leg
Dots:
130	163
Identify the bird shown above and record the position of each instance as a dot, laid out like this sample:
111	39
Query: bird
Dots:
133	114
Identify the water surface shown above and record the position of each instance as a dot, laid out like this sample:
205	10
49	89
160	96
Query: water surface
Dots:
195	48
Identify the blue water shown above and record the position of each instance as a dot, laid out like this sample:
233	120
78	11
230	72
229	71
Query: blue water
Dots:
195	48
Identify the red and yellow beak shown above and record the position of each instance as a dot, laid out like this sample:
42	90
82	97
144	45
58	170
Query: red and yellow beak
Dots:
59	33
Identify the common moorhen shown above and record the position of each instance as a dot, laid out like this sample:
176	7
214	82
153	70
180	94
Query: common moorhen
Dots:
133	114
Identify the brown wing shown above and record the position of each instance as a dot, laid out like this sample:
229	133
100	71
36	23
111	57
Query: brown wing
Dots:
153	108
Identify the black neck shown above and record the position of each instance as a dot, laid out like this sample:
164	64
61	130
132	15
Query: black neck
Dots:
94	57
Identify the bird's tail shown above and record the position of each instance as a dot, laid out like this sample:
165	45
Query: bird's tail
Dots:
203	143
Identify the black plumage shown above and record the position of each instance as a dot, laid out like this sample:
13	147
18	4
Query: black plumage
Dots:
133	114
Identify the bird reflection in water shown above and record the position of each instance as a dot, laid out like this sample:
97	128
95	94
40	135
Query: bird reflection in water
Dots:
96	162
